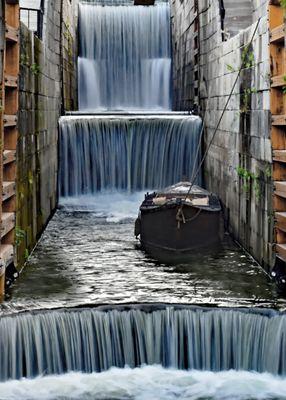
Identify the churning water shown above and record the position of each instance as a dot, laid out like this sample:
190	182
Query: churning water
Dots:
125	57
125	153
148	383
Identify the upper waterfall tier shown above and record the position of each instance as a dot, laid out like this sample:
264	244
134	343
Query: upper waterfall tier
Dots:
125	57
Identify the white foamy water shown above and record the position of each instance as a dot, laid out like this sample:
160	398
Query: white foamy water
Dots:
148	383
113	206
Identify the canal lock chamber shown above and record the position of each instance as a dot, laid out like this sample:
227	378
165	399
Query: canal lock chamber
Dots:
125	141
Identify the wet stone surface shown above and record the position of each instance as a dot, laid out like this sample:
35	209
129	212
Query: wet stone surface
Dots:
83	259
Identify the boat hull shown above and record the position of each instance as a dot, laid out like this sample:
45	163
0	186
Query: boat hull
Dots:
168	240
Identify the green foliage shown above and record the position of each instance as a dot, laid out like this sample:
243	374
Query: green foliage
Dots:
268	172
20	235
245	174
283	3
230	68
68	36
248	59
35	69
24	60
249	179
246	96
30	178
26	254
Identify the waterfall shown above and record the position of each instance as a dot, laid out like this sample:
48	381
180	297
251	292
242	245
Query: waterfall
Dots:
125	57
87	340
129	154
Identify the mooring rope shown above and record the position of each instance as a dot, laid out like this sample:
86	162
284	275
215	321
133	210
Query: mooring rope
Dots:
194	176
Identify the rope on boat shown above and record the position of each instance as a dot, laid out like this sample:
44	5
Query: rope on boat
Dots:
195	175
180	217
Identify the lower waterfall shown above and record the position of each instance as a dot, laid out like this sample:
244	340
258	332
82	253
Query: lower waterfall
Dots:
126	153
93	340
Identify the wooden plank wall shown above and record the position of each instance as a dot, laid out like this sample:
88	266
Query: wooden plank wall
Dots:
9	134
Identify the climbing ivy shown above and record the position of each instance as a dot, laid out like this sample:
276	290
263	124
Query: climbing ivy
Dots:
248	59
283	3
247	62
284	87
24	60
245	99
20	235
249	178
26	254
35	69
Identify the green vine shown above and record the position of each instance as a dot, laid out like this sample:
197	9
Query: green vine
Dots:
283	3
284	87
246	99
268	172
247	62
24	60
26	254
248	59
249	179
68	36
20	235
35	69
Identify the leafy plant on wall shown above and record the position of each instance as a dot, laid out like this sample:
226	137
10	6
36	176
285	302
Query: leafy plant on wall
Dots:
249	179
283	3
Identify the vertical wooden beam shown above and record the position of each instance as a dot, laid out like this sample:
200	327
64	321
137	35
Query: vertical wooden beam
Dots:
2	102
278	133
9	133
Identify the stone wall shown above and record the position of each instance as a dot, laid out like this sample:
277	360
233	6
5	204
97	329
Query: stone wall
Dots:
69	54
183	36
238	16
238	165
43	98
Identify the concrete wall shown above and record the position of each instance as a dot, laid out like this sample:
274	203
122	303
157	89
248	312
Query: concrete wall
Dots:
238	16
42	100
69	55
184	73
238	166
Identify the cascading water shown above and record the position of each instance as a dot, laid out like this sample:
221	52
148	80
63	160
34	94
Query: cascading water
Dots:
91	340
127	154
124	64
125	57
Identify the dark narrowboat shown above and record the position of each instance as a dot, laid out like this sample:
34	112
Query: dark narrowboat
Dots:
178	221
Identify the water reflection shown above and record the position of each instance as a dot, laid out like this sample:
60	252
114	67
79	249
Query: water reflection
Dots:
82	259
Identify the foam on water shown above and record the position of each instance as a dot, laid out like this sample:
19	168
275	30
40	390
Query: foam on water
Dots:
112	206
148	383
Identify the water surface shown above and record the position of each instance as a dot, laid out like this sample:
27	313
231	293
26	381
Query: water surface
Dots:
148	383
93	258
